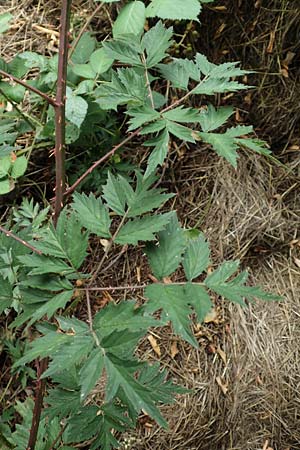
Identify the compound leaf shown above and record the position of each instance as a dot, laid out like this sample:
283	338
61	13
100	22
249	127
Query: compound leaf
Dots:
212	118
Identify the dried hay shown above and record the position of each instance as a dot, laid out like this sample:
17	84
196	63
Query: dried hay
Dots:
264	36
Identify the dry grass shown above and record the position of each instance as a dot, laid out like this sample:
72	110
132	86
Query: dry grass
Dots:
245	375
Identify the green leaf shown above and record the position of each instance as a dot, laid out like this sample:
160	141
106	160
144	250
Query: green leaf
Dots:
91	372
175	304
83	49
196	258
156	42
114	194
165	258
224	145
124	50
182	115
144	198
142	229
159	154
215	85
43	347
255	145
19	167
235	290
199	299
6	186
120	375
66	241
6	294
184	133
127	87
92	214
212	118
42	264
5	165
51	306
140	116
120	317
34	60
130	20
178	72
76	108
174	9
5	18
100	62
84	71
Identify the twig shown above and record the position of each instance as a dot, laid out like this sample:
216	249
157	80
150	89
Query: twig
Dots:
38	405
21	241
46	97
148	81
134	287
90	317
96	164
60	113
58	437
100	265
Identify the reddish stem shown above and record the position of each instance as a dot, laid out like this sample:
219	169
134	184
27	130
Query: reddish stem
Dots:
60	109
60	102
72	188
46	97
21	241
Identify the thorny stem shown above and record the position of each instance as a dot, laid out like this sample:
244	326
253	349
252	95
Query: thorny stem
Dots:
60	110
59	105
90	317
21	241
17	80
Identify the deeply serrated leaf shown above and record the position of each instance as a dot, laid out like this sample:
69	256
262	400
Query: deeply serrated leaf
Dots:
124	50
142	229
224	145
145	199
175	304
156	42
199	299
165	257
123	316
212	118
159	154
91	372
174	9
140	116
51	306
120	375
92	214
183	115
41	264
114	194
177	72
180	131
196	258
